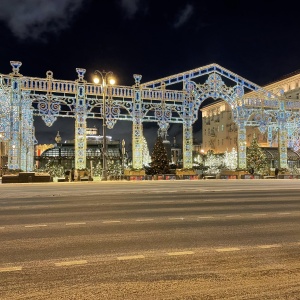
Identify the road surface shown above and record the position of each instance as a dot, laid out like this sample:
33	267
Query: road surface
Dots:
207	239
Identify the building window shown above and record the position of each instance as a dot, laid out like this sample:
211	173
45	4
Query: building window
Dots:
222	127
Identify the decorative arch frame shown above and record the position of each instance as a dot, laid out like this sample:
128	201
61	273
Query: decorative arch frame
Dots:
49	99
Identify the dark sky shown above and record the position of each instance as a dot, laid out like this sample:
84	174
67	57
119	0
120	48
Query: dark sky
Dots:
258	40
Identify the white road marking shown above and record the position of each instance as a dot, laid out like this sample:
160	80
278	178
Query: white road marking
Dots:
176	219
232	216
71	263
78	223
207	217
39	225
269	246
181	253
10	269
144	220
227	249
106	222
130	257
257	215
284	213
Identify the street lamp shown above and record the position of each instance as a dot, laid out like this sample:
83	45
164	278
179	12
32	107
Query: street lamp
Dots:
105	79
58	142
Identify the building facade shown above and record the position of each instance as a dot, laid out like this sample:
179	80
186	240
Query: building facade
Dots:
63	153
220	133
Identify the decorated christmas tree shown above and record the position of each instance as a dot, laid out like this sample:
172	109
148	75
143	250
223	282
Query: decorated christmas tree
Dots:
256	158
159	158
114	168
97	171
54	170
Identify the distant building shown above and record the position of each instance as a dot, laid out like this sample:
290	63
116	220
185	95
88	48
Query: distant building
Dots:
220	133
63	153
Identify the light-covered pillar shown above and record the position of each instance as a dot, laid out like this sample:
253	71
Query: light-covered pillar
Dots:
270	136
14	144
137	126
187	144
242	145
80	122
27	133
282	142
282	135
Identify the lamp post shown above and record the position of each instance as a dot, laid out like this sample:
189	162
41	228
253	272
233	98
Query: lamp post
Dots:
58	142
104	78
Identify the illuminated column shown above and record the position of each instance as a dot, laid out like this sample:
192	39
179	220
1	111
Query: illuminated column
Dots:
242	143
282	135
27	133
187	139
187	144
14	145
80	122
270	136
137	126
282	141
5	107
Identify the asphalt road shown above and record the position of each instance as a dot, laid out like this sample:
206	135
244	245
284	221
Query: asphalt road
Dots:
209	239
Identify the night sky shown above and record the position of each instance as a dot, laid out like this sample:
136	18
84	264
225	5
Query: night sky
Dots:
258	40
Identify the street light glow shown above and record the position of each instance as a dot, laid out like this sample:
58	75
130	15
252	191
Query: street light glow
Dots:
112	81
96	80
